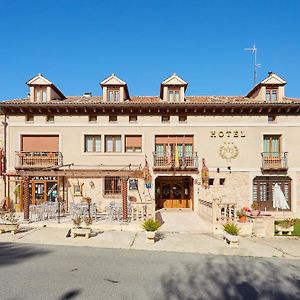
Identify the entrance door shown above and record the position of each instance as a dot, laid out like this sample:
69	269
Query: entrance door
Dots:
173	192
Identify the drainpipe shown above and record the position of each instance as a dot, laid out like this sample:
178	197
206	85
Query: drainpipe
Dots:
4	123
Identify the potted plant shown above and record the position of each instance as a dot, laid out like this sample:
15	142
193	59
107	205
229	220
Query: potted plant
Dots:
151	227
78	230
255	209
242	216
231	233
9	222
287	226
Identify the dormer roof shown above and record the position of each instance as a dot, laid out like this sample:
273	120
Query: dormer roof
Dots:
173	80
271	79
113	80
41	80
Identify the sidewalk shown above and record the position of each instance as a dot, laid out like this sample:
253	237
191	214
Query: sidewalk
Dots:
131	236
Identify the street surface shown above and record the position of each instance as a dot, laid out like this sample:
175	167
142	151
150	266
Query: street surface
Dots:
45	272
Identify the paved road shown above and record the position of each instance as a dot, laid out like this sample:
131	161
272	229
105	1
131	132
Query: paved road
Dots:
64	272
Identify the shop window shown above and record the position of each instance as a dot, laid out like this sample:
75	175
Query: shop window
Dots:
92	143
112	186
133	143
113	143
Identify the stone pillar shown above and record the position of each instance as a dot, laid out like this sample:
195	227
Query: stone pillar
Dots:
26	198
124	198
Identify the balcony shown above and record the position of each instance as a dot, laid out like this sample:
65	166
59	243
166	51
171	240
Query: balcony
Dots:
36	160
164	162
274	161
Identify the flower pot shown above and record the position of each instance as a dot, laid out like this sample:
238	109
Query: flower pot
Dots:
231	240
81	232
13	228
243	219
150	237
281	229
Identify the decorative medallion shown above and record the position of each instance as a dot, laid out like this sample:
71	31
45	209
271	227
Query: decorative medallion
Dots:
229	151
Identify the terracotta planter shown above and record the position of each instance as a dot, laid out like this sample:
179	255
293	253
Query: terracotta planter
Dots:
81	232
281	229
13	228
243	219
150	237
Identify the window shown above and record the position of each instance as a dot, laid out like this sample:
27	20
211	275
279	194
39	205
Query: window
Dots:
262	190
182	118
271	95
50	119
112	118
29	118
165	118
271	145
113	95
112	185
40	94
92	143
132	118
133	143
271	119
113	143
174	95
93	118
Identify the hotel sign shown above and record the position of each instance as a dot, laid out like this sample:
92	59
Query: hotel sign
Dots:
227	133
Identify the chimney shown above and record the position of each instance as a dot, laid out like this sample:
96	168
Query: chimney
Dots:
270	73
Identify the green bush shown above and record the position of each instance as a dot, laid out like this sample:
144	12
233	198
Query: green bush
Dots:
286	223
240	213
231	228
151	225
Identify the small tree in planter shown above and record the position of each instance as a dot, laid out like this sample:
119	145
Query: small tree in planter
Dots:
231	234
242	216
151	227
9	222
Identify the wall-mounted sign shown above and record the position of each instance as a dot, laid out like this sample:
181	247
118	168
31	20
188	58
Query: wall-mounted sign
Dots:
133	184
228	151
44	178
227	134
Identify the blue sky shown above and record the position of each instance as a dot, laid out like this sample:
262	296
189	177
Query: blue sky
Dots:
78	43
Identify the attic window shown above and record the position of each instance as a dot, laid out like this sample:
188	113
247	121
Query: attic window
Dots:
174	95
40	94
271	95
113	95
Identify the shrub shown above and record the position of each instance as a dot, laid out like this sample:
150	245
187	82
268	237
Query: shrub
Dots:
241	213
151	225
231	228
77	221
88	221
286	223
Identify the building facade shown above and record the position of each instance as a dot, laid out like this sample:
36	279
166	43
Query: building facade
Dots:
170	151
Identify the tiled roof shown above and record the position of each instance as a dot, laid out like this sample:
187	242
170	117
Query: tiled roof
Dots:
155	99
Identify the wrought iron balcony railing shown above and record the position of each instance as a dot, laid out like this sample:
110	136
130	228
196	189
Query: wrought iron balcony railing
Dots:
28	160
274	160
170	161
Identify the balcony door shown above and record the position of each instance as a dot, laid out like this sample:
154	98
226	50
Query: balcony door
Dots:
272	151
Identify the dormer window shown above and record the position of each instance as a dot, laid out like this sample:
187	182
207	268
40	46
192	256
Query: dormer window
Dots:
40	94
113	95
271	95
174	95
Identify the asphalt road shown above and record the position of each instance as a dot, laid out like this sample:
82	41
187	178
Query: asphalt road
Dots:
61	272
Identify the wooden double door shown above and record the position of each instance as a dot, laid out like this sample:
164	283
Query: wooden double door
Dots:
173	192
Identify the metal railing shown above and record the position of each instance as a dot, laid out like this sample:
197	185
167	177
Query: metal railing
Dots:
170	161
27	159
274	160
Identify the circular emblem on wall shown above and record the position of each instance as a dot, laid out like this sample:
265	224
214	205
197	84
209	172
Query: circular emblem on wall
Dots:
228	151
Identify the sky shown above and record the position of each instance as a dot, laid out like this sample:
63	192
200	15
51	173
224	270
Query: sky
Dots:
78	43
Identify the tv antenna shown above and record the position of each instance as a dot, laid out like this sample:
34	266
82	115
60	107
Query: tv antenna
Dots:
256	65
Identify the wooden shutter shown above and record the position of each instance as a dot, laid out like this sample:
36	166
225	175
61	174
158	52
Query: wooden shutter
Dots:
40	143
133	141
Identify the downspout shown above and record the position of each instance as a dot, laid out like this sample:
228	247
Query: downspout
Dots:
4	123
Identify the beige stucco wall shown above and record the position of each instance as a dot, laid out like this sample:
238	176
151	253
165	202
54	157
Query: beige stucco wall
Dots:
210	134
